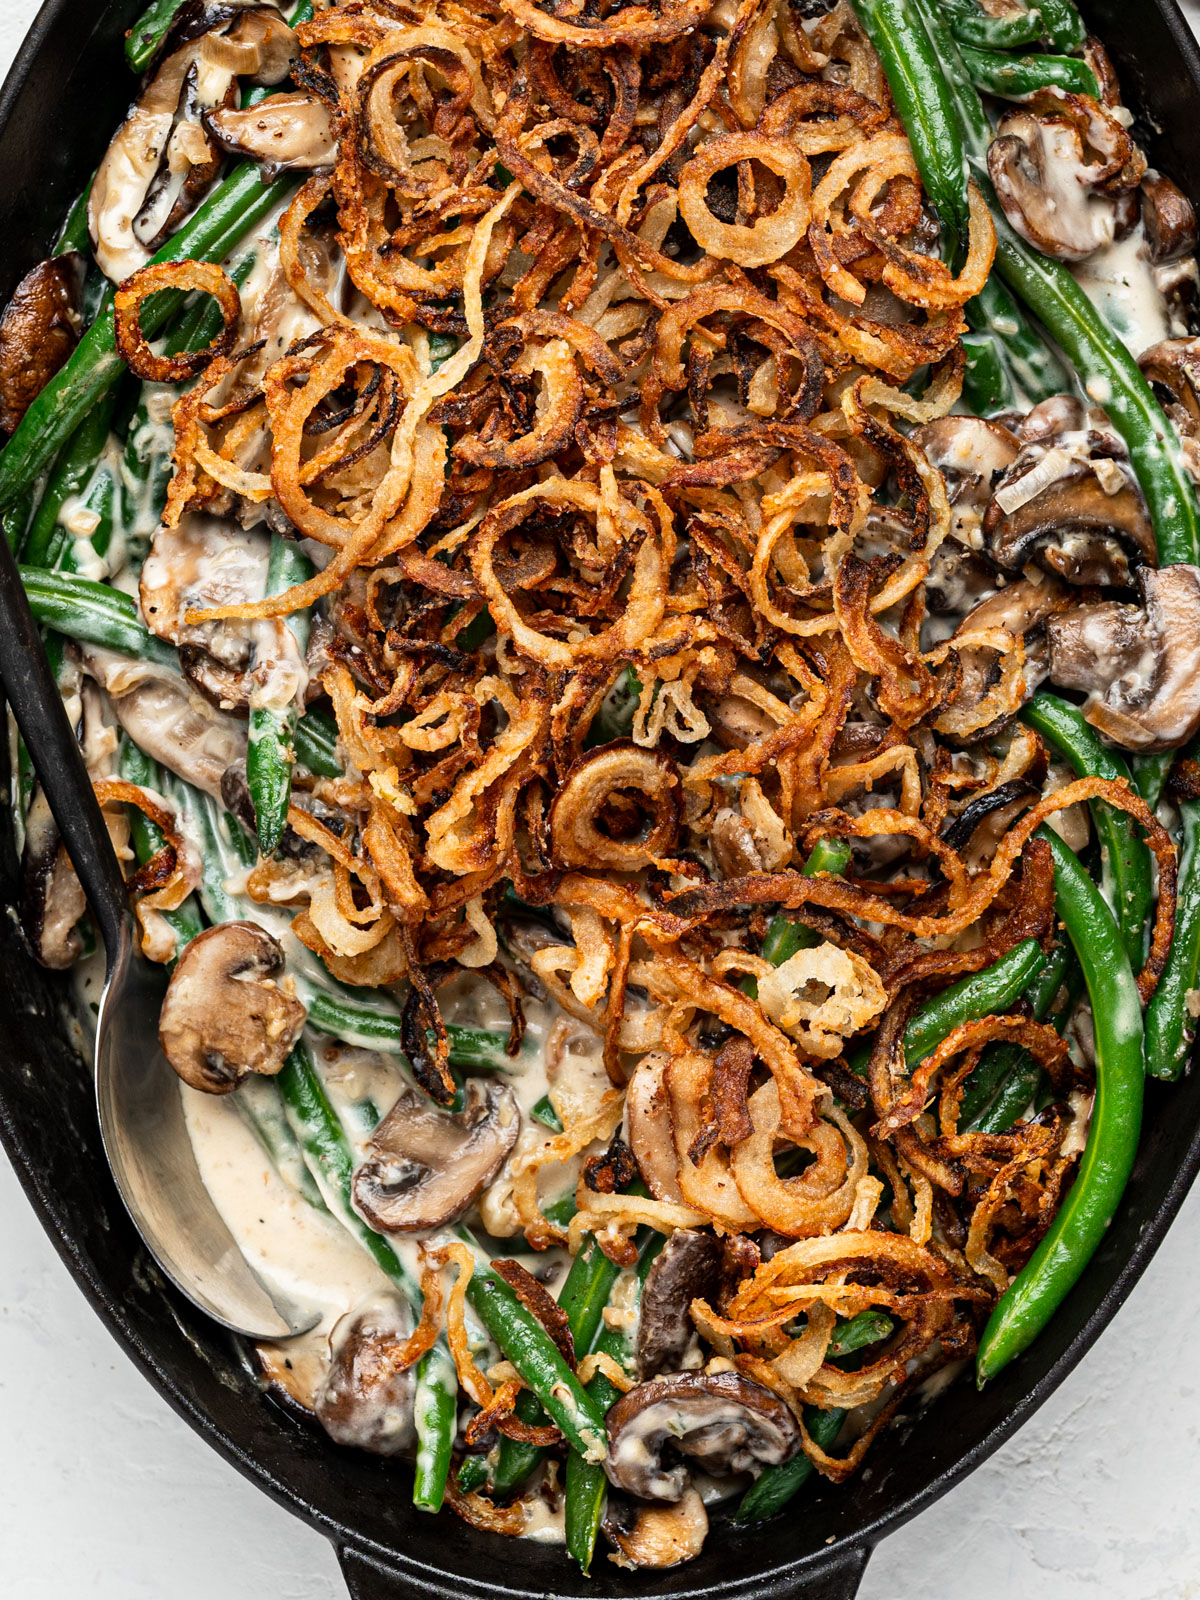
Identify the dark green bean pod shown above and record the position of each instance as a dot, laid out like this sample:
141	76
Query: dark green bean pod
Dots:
1092	1200
1170	1020
972	26
1018	77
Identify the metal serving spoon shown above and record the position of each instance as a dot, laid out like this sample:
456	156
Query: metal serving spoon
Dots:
137	1092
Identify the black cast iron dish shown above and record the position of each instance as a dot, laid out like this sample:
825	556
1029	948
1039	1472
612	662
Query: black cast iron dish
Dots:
67	90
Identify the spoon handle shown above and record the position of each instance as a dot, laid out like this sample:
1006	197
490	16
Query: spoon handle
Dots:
32	693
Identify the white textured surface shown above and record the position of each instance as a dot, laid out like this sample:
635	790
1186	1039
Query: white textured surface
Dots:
106	1495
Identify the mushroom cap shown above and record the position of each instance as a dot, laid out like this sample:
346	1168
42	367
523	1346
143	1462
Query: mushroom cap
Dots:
287	133
225	1014
364	1401
1140	666
686	1268
38	331
427	1166
720	1420
1168	218
1069	501
656	1535
650	1133
1063	203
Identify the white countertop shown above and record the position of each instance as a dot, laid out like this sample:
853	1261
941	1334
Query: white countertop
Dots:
106	1495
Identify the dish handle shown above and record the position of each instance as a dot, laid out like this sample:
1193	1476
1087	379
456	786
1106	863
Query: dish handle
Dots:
841	1578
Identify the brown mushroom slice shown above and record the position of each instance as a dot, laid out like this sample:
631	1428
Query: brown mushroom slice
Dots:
970	453
225	1014
1069	501
719	1420
1168	218
52	897
686	1268
169	721
161	160
426	1166
38	331
655	1535
1173	365
287	133
650	1134
1049	189
363	1400
207	562
736	851
1139	666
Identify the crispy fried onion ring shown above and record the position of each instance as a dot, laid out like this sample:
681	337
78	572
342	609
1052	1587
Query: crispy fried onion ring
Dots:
770	236
164	882
619	523
181	276
820	997
602	797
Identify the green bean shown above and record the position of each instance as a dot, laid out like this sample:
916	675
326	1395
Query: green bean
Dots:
1150	774
785	936
586	1484
143	40
999	1060
315	743
269	752
441	347
775	1486
1064	26
230	211
331	1163
970	25
1170	1019
93	613
1124	858
473	1472
925	107
1091	1203
16	521
74	235
987	383
981	994
541	1366
583	1296
435	1412
148	839
1018	77
69	478
257	1101
545	1113
859	1332
614	719
1051	293
1024	1078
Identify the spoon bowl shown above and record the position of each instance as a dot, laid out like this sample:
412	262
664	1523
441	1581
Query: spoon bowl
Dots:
138	1095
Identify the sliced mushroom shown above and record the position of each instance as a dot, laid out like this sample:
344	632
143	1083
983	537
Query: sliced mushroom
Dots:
287	133
1069	501
686	1268
734	847
39	329
225	1014
427	1166
649	1132
161	160
169	721
1168	218
205	562
1139	666
364	1401
53	900
1060	172
655	1536
970	454
1173	367
719	1420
